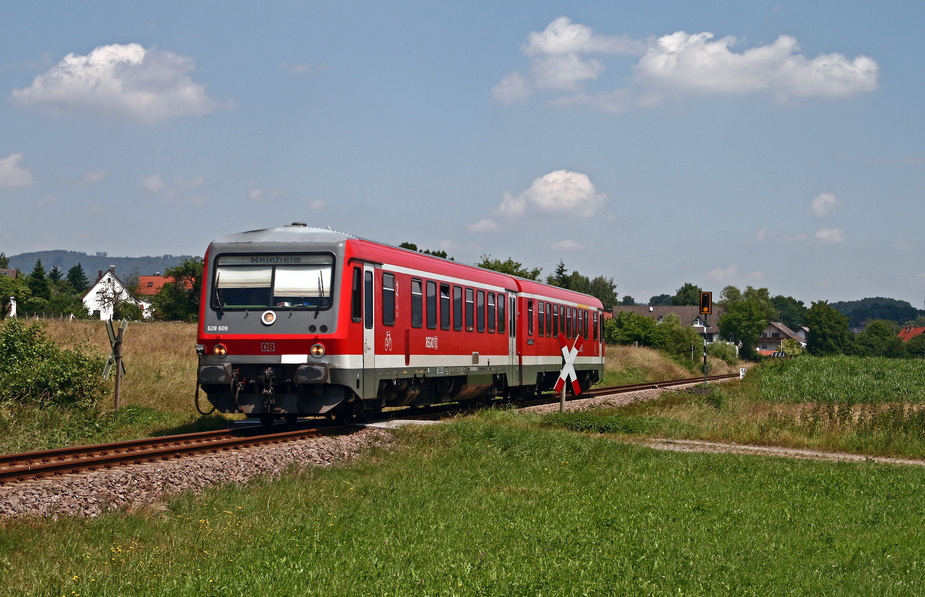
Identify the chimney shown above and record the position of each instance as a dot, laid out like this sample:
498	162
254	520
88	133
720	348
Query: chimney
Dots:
100	276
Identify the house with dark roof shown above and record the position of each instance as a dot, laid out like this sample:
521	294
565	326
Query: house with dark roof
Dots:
705	325
773	336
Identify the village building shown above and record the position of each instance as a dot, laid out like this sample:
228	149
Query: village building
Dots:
705	325
109	291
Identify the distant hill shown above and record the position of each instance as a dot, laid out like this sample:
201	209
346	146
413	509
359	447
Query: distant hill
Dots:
92	264
877	307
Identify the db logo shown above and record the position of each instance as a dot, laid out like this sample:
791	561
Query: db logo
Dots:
267	347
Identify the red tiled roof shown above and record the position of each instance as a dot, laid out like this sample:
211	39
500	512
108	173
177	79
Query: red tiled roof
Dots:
150	285
908	333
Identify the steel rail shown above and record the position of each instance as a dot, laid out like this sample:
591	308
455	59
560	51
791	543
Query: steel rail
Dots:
95	458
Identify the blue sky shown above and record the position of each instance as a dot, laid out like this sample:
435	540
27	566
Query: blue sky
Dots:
771	144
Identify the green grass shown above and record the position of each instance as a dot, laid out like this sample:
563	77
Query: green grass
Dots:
496	506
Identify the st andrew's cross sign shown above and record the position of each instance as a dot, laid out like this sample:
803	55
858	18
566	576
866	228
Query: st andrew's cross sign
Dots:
568	369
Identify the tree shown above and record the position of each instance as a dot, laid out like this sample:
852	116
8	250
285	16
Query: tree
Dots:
675	338
4	261
510	267
628	328
729	295
744	320
414	247
78	279
828	330
15	288
792	312
38	282
661	300
879	340
605	291
915	347
560	277
686	295
54	276
179	300
628	301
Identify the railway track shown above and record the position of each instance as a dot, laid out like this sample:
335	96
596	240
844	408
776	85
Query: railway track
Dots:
37	465
45	463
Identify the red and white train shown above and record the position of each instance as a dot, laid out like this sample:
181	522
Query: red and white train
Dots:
298	321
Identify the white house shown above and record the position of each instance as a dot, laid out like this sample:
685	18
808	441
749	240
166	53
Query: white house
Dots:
107	293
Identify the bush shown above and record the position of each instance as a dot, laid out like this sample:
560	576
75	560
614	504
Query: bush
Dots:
725	351
34	370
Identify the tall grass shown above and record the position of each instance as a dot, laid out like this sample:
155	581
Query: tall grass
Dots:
626	364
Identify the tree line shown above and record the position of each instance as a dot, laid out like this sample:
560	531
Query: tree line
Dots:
52	291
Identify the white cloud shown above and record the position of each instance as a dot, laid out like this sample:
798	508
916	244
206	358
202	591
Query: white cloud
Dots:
152	183
677	64
486	225
831	235
723	276
691	62
762	236
557	59
127	82
561	192
12	174
317	205
823	204
95	177
567	245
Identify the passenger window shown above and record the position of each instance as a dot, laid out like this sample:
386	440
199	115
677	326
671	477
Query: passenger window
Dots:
432	305
388	299
541	322
548	319
368	300
491	311
529	317
445	306
417	303
568	322
555	320
356	296
594	324
457	308
470	310
502	299
480	311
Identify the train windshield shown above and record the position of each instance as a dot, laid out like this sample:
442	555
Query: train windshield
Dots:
273	281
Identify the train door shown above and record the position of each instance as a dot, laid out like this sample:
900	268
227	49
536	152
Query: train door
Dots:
370	384
515	370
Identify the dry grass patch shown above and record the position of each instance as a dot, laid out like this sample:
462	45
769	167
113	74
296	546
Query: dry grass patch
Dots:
160	359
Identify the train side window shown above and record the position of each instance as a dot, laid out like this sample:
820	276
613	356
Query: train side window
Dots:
548	319
579	326
502	299
480	311
541	320
555	320
529	317
368	300
457	308
584	325
431	305
356	296
417	303
513	315
594	325
470	310
388	299
445	306
568	322
491	312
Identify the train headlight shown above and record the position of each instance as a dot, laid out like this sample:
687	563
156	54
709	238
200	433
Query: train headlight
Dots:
317	350
220	350
268	318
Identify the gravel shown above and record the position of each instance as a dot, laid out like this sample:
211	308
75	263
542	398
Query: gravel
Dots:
140	486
